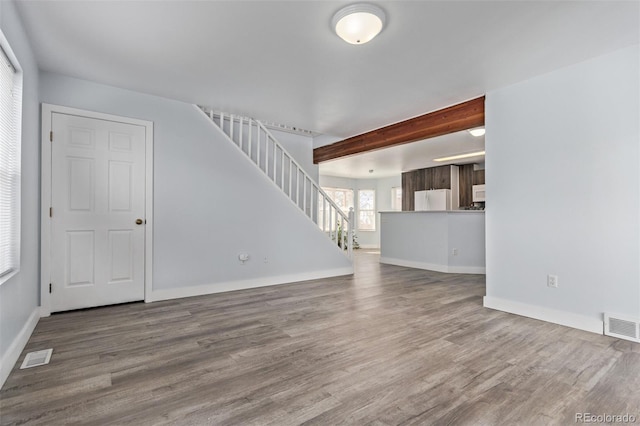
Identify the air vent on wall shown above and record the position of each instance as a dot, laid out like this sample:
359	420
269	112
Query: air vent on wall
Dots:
35	359
622	327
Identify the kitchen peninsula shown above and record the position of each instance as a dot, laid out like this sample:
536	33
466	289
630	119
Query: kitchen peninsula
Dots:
443	241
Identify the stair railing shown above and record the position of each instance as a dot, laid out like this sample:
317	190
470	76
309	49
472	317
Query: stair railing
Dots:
264	150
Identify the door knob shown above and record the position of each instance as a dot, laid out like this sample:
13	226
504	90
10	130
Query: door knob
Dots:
138	221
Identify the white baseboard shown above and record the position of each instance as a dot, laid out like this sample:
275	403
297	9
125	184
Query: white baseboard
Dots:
568	319
180	292
369	246
15	349
434	267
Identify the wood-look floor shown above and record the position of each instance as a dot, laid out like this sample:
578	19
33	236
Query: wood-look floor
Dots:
389	346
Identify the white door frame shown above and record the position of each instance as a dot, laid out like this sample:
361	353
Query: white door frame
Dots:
45	220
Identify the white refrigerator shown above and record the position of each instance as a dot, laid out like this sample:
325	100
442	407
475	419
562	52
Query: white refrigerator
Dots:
434	199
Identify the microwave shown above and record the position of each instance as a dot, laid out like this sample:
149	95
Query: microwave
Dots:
478	193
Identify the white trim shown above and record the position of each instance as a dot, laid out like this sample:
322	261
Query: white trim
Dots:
45	223
200	290
434	267
568	319
148	209
17	346
370	246
45	203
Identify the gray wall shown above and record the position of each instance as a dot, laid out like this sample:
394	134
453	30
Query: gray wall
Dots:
568	141
426	240
210	202
19	296
322	140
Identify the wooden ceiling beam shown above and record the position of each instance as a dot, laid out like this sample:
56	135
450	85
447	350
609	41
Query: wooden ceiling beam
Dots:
452	119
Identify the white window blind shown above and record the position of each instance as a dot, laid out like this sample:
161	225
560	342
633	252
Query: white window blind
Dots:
10	123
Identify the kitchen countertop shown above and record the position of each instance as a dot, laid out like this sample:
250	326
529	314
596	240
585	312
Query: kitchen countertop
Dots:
433	211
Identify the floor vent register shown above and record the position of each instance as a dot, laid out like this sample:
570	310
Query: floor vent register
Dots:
622	327
35	359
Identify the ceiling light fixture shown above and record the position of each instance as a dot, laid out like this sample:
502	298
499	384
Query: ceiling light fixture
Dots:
459	156
358	23
477	132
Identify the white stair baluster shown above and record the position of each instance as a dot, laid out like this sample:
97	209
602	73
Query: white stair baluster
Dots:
319	207
332	225
298	189
290	177
304	194
324	214
266	154
240	132
352	219
282	169
275	152
250	130
258	148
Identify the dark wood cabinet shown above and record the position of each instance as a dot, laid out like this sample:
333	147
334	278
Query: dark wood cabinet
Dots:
466	182
468	178
419	180
478	177
440	178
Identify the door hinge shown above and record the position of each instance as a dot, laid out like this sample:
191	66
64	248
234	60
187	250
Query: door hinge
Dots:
50	288
51	136
50	211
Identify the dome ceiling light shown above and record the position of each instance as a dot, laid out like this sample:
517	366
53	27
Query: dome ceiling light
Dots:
358	23
477	132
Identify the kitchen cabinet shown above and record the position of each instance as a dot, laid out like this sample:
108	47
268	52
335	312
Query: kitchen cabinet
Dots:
442	177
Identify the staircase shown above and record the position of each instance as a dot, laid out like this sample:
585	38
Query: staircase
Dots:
265	152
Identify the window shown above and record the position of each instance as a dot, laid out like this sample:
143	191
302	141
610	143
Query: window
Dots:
342	197
367	210
10	126
396	198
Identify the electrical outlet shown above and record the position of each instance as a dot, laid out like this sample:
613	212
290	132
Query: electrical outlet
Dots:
454	252
552	281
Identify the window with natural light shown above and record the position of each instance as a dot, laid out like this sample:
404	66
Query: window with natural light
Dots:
10	124
396	198
367	210
344	200
342	197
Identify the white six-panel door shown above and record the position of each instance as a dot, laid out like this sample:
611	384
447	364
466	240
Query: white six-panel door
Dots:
98	212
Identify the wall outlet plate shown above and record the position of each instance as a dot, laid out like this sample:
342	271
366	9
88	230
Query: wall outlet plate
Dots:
552	281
